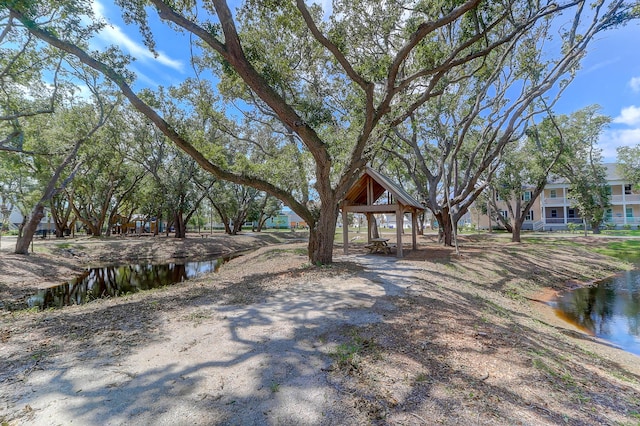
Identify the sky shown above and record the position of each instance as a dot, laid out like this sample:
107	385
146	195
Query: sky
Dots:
609	76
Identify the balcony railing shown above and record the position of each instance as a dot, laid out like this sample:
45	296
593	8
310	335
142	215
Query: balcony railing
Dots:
554	201
554	220
615	199
621	220
561	220
628	199
617	221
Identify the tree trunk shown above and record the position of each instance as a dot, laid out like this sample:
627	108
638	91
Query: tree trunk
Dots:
261	221
322	234
59	230
179	224
374	227
446	227
237	227
421	219
227	227
156	230
93	227
110	222
515	231
238	221
224	218
508	227
29	229
60	217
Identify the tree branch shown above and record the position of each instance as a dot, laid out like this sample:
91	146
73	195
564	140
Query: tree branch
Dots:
160	123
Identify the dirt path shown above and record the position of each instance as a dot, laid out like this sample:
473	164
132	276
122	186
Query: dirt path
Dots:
433	338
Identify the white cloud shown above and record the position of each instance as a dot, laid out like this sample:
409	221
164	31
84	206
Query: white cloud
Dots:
629	116
614	138
600	65
635	84
113	34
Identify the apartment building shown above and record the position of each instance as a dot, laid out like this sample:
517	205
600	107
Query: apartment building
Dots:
554	210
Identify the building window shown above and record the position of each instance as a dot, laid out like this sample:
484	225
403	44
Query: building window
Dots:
504	214
571	213
627	189
529	215
526	196
554	213
629	212
553	193
608	215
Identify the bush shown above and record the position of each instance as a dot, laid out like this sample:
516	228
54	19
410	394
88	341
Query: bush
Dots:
469	227
573	227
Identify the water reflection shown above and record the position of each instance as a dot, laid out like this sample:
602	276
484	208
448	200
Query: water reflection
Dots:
609	310
116	281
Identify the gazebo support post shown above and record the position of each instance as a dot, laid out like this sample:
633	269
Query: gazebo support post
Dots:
345	229
399	226
414	228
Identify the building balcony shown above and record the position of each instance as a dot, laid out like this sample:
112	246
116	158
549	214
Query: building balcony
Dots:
555	201
625	199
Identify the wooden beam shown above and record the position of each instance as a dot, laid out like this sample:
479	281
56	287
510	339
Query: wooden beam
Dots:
414	228
399	226
378	208
345	229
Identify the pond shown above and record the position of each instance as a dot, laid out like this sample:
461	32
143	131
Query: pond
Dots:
610	310
113	281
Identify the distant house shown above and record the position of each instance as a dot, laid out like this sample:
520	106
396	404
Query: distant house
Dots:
16	218
554	209
557	210
138	224
387	220
295	221
533	218
280	221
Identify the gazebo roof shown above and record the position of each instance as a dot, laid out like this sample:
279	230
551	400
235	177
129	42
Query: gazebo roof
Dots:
357	195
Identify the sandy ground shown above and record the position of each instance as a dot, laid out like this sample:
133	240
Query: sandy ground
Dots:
434	338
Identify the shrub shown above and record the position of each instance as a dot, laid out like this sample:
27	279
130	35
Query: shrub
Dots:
573	227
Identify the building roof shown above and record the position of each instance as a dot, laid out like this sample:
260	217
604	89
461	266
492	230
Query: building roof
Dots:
612	171
611	174
357	195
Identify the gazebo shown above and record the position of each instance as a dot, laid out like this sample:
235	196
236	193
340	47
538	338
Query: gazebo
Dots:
365	197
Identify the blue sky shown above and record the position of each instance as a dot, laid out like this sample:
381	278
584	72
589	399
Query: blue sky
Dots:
610	74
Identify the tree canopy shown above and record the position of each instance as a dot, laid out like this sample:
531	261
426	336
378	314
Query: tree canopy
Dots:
629	164
309	98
